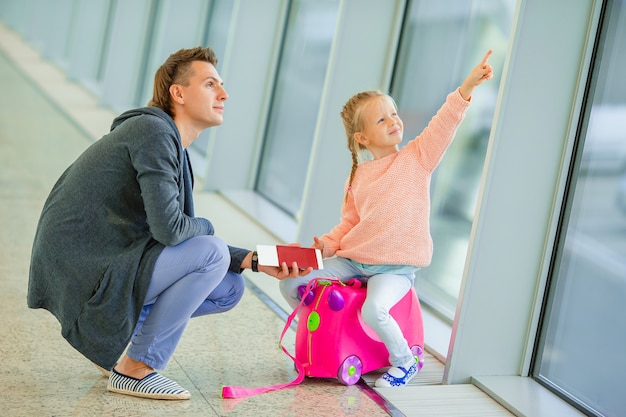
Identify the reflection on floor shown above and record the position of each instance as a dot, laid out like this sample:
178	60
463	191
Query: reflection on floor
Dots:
43	375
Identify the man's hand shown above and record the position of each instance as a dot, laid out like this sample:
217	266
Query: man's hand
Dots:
278	272
284	271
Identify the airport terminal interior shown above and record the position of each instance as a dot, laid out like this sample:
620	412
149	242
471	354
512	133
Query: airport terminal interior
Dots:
524	293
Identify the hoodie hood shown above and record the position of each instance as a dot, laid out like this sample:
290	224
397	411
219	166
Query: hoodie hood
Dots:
152	111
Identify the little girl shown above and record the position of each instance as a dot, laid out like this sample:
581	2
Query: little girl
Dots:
384	234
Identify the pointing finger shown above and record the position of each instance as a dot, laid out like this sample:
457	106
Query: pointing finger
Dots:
487	55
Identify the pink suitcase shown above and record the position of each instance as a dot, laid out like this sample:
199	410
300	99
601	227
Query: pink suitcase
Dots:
332	341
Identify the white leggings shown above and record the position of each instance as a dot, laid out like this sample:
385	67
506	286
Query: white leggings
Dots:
383	292
189	280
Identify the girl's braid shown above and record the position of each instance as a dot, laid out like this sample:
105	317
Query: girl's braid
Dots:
353	123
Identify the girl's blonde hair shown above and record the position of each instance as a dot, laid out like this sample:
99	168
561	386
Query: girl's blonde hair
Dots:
352	118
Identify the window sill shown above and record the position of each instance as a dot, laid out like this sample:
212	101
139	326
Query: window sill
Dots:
267	215
523	396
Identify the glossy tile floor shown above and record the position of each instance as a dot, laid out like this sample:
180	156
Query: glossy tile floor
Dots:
44	125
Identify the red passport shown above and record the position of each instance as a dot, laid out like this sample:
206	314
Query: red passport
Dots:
275	255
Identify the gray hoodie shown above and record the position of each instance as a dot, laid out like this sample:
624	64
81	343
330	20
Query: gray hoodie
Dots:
103	226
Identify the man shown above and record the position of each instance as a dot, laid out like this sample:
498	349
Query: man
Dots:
119	256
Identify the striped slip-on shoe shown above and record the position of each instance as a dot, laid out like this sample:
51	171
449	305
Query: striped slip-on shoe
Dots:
154	386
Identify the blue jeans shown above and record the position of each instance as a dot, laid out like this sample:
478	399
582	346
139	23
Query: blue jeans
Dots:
190	279
383	292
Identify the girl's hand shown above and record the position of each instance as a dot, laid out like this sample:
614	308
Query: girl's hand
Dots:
482	72
319	244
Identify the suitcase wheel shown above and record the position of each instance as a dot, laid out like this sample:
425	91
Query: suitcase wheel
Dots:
350	370
418	353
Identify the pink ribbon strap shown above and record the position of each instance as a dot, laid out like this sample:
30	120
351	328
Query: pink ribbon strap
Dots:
242	392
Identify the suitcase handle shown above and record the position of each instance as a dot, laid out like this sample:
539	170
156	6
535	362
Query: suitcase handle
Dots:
355	283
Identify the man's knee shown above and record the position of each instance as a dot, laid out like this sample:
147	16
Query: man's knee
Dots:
216	253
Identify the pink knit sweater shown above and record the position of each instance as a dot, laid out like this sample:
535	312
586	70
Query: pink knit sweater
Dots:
385	219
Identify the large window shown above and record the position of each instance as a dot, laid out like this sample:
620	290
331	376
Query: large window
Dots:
441	42
297	96
215	36
581	349
206	25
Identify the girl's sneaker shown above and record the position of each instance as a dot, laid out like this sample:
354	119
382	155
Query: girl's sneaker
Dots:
397	376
